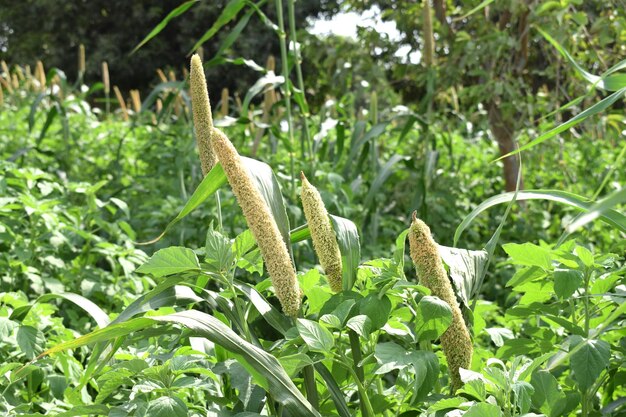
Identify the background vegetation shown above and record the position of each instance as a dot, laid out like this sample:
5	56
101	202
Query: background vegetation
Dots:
92	322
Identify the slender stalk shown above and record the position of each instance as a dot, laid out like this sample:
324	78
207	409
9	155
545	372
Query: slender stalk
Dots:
282	37
355	348
293	35
311	386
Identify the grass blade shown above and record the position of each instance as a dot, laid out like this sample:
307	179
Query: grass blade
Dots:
598	209
230	11
591	111
611	217
158	28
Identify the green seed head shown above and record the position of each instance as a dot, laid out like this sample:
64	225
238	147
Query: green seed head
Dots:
322	233
456	341
261	223
202	118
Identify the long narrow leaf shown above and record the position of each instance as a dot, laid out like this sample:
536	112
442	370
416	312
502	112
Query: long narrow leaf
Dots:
209	185
599	208
228	13
591	111
272	376
611	217
606	82
96	313
158	28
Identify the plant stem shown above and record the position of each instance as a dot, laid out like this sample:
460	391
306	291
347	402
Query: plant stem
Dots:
355	348
305	111
310	386
282	37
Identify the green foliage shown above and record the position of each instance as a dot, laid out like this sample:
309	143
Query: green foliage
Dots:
92	325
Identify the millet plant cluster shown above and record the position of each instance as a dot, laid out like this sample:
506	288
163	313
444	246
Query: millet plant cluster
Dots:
214	145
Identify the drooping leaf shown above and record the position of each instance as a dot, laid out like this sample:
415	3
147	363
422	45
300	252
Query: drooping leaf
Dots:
465	267
96	313
350	248
265	368
229	12
611	217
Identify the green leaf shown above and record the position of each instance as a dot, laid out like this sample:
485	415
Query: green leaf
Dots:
566	282
484	410
522	393
465	267
599	208
167	407
83	410
588	362
96	313
169	261
269	188
229	12
315	336
350	248
264	367
30	340
606	82
529	254
524	275
591	111
377	309
361	324
432	318
548	397
158	28
611	217
212	182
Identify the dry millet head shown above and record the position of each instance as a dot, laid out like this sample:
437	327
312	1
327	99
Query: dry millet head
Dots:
322	233
455	341
262	225
202	118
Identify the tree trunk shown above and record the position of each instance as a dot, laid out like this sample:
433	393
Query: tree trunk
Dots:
503	134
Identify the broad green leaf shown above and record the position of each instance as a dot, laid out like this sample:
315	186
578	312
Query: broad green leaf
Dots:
484	410
391	356
588	362
377	309
523	393
584	255
350	248
465	267
548	397
566	282
315	336
529	254
361	324
171	15
167	407
96	313
611	217
30	340
432	318
170	261
83	410
524	275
